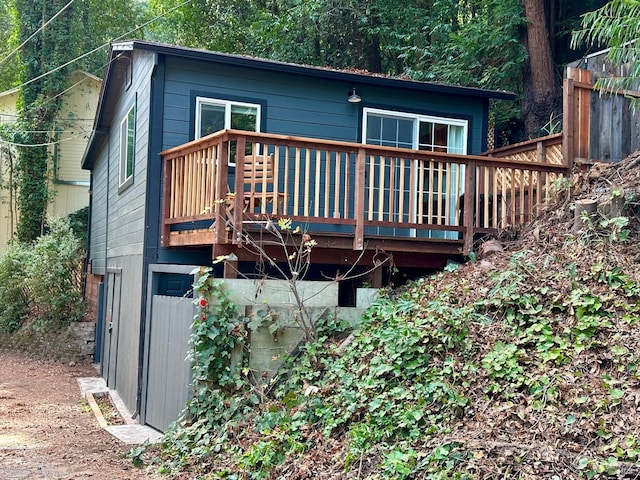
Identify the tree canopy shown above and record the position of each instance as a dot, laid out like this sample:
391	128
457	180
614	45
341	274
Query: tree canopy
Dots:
617	26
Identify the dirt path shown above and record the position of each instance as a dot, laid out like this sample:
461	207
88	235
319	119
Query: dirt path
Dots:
47	431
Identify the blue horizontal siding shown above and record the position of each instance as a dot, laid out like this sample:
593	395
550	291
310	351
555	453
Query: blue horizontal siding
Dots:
299	105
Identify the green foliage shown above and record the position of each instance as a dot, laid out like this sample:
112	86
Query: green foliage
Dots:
54	273
216	331
39	104
42	280
616	25
33	194
418	369
14	298
10	68
79	223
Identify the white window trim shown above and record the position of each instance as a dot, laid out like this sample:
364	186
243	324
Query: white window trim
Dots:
124	137
417	119
415	116
227	104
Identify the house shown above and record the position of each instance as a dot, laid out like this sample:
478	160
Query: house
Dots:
192	149
69	182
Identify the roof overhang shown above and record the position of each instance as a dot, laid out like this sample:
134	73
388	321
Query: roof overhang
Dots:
365	78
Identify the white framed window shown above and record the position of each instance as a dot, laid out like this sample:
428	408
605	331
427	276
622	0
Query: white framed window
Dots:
127	147
409	130
213	115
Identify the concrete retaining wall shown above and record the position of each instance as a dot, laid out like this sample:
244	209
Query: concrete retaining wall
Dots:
266	302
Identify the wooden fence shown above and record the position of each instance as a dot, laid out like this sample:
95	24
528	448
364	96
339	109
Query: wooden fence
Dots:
599	124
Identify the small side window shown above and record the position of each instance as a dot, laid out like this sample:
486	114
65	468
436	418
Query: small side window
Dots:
127	147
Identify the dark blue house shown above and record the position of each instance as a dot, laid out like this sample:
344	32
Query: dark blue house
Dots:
368	163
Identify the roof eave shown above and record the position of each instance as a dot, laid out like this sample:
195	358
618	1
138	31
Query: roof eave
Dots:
311	71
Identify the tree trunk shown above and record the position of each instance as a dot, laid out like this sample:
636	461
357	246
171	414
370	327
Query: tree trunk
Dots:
541	99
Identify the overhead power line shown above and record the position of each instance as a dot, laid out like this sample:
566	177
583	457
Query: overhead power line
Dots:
3	141
45	144
8	57
80	57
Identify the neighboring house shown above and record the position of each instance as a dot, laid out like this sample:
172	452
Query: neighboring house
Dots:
369	163
69	182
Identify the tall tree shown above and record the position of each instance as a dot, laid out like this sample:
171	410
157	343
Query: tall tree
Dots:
541	98
69	31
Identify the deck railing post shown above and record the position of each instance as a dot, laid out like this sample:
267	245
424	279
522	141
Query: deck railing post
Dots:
358	200
166	203
469	197
221	169
238	201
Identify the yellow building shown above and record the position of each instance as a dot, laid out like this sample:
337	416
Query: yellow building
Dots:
69	183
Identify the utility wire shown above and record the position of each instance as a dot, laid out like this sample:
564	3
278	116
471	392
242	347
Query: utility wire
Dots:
75	60
46	144
102	46
4	60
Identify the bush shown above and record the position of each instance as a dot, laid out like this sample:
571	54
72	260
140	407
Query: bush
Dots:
14	300
42	280
54	276
79	223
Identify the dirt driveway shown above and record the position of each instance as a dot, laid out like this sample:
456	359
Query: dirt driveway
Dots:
48	432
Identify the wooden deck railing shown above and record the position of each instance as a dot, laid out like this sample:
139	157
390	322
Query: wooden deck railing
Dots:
363	190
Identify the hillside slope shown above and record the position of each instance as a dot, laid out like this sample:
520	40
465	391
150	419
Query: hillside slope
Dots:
525	364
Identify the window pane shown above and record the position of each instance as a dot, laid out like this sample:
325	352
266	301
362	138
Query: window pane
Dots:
389	131
425	136
244	118
440	137
456	139
405	133
131	140
374	128
211	118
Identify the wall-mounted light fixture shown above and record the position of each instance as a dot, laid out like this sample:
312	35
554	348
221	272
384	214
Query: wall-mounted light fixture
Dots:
353	96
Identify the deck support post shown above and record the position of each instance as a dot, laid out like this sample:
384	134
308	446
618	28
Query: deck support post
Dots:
358	237
374	277
231	266
469	197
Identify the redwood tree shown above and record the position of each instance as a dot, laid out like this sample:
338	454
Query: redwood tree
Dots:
541	99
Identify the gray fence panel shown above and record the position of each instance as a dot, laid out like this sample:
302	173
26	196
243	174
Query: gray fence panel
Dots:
169	373
614	124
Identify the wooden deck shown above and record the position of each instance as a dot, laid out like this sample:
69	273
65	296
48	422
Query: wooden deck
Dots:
354	199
